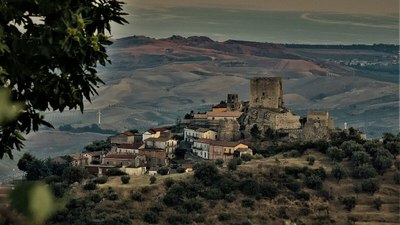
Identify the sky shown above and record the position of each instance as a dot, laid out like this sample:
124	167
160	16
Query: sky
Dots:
279	21
344	6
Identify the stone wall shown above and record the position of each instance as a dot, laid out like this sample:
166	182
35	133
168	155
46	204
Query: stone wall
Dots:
228	130
266	92
232	102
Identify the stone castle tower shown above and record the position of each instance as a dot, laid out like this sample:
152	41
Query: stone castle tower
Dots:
266	92
232	102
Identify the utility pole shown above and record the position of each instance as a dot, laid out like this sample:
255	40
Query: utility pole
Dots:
99	113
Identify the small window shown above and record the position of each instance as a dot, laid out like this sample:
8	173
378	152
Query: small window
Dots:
263	94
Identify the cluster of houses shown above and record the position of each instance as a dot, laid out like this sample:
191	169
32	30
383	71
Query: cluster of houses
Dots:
131	152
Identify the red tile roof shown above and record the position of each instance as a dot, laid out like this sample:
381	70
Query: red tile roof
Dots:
203	140
159	139
131	146
224	143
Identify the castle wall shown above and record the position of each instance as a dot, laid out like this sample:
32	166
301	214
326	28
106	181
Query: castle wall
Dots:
266	92
228	130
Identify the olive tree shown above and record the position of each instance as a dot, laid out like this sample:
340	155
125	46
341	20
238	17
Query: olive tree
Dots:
49	51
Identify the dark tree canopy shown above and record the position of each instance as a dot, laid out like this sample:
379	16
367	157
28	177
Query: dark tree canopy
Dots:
49	51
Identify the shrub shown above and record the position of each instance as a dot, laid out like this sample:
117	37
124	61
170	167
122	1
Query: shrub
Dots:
112	196
360	157
231	197
396	177
115	172
335	154
364	171
192	205
233	163
349	202
224	216
338	172
53	179
90	185
377	203
137	196
180	170
213	194
101	180
370	185
206	172
293	171
248	203
294	153
157	208
178	219
168	182
269	190
258	156
313	182
174	195
320	172
125	179
227	184
303	196
96	198
74	174
293	186
58	189
310	160
250	187
349	147
150	217
246	157
382	161
163	171
219	162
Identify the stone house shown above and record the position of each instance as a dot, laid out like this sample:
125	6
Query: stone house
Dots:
124	159
98	170
134	170
164	143
128	137
242	151
157	132
93	157
155	157
221	107
128	148
224	149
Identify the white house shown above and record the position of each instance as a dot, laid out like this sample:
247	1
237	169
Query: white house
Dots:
128	137
201	147
157	132
191	134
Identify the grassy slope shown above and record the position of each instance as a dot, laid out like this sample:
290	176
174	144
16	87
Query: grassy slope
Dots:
267	211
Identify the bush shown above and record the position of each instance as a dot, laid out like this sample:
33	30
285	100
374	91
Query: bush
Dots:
163	171
90	186
169	182
180	170
269	190
294	153
96	198
377	203
213	194
58	189
293	186
150	217
396	177
338	172
248	203
335	154
53	179
233	163
112	196
206	172
137	196
364	171
231	197
250	187
382	161
74	174
349	202
246	157
224	216
192	205
360	157
125	179
101	180
370	185
303	196
153	179
313	181
349	147
219	162
178	219
310	160
114	172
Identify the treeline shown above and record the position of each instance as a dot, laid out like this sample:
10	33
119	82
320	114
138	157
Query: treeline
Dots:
94	128
389	48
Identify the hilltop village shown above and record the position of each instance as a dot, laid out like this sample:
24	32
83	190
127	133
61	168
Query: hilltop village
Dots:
225	132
